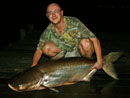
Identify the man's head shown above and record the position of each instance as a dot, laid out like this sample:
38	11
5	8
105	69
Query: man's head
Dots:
54	13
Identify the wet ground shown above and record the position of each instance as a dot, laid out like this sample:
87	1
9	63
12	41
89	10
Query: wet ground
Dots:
18	57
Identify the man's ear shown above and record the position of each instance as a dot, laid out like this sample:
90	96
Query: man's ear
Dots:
62	12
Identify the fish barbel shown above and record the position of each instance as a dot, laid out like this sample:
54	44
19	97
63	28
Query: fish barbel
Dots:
66	71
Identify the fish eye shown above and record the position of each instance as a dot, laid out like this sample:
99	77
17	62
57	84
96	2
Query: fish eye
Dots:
46	80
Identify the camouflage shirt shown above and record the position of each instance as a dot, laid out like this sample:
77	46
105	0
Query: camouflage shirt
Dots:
73	31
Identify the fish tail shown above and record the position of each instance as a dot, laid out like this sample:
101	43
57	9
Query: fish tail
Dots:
108	63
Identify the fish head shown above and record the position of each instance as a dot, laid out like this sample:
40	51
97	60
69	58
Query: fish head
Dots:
17	88
25	87
26	81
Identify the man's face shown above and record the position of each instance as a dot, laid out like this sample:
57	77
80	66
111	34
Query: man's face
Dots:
54	13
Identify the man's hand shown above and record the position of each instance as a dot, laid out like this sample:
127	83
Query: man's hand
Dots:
97	65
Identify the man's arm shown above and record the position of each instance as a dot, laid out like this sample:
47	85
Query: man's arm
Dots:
97	48
36	57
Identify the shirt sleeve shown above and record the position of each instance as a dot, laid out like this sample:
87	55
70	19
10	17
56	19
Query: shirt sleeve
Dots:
84	32
41	41
44	37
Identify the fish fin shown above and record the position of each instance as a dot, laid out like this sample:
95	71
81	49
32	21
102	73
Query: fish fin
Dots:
113	56
59	55
110	70
69	83
89	76
53	89
108	66
40	88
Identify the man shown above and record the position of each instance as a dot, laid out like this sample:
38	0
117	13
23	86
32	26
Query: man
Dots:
66	37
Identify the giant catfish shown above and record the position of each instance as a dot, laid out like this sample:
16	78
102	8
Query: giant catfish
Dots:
66	71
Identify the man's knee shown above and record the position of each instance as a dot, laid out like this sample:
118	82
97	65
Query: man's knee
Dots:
50	49
86	47
86	44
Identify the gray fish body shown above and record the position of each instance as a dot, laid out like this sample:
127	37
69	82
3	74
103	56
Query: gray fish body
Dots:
66	70
60	72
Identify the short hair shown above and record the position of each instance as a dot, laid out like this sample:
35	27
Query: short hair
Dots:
55	4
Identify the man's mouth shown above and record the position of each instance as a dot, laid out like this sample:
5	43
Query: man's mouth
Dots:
54	18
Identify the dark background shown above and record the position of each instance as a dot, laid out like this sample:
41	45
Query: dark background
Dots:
98	15
108	19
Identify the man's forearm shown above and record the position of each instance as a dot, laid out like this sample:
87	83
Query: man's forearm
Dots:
98	52
97	48
36	57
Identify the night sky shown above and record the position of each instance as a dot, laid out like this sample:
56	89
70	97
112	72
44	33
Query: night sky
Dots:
97	15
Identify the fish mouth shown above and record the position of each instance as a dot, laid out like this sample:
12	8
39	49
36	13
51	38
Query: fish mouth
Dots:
13	88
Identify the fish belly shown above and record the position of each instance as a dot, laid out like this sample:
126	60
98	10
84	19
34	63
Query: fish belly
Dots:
67	75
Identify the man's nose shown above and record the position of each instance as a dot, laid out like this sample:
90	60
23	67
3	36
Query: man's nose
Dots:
53	14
